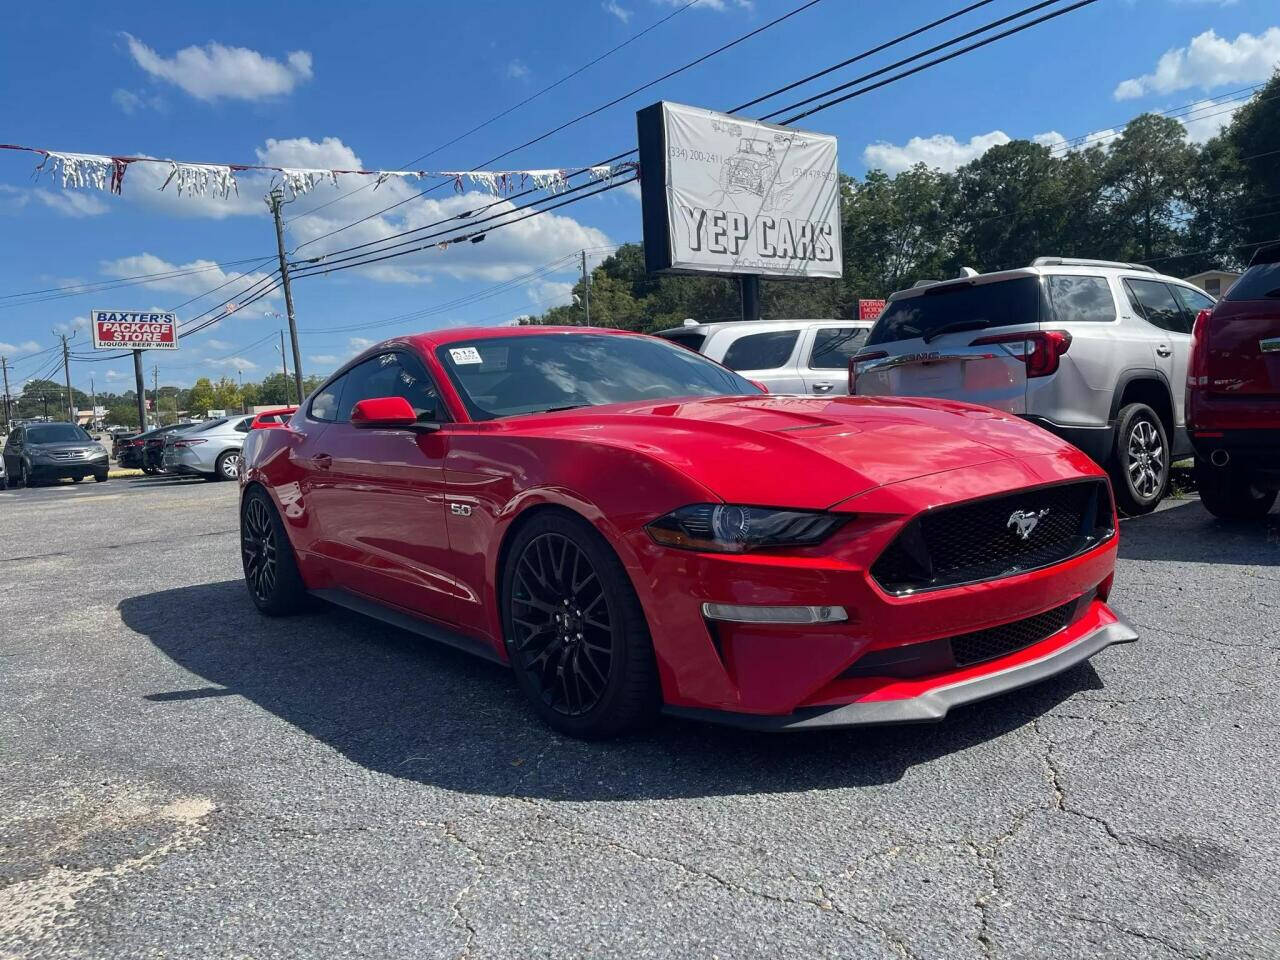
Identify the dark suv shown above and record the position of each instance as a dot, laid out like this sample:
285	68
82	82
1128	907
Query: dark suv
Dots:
50	451
1233	394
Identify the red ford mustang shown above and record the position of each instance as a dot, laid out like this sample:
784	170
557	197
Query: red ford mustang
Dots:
633	527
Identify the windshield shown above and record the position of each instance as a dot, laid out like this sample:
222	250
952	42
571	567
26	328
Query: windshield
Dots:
504	376
1260	282
57	433
975	306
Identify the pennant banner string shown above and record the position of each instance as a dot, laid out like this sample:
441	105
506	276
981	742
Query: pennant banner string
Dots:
94	171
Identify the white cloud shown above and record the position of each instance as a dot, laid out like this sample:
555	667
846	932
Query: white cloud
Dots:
217	344
127	101
214	70
77	323
322	358
1208	61
209	276
114	375
27	346
632	189
517	70
551	293
356	344
232	363
941	151
1059	144
72	203
617	9
1207	119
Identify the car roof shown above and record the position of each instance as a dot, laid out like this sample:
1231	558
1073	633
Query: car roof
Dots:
436	338
765	325
1040	270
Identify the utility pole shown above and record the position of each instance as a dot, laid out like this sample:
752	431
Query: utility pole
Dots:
586	289
93	401
141	391
283	360
66	372
155	392
4	368
274	200
244	407
750	297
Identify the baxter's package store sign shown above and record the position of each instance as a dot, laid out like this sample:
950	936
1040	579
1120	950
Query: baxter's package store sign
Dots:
134	330
731	196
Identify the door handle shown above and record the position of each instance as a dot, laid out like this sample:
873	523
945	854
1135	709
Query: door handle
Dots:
322	461
1164	350
824	387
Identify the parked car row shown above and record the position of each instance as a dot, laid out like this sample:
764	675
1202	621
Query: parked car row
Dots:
1094	351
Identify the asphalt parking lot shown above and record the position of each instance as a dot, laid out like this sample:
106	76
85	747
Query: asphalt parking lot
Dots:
182	777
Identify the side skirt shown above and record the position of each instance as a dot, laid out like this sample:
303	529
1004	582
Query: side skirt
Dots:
406	621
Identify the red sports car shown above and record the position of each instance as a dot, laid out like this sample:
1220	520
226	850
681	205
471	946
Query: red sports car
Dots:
634	527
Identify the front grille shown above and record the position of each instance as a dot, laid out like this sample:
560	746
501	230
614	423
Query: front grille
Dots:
65	456
969	648
938	656
980	540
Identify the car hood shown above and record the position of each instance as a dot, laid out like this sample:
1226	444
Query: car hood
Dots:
804	451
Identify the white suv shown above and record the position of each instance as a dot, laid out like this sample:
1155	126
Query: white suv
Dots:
787	356
1093	351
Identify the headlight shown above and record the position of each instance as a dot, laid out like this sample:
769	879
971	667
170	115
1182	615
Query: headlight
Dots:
724	528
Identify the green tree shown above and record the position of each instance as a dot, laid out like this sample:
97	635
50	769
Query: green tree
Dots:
1147	168
226	395
200	398
121	413
1254	139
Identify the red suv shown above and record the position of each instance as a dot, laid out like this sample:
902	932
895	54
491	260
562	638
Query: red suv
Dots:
1233	394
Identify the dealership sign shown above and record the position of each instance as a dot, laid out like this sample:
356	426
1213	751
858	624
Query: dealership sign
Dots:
134	330
724	195
870	309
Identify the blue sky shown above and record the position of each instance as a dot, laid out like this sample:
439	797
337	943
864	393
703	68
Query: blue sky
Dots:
330	85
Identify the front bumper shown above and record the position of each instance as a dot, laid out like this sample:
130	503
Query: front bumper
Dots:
932	704
45	469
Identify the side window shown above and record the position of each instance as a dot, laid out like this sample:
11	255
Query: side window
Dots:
391	374
324	406
1081	299
761	351
15	436
243	425
692	341
833	346
1193	300
1155	301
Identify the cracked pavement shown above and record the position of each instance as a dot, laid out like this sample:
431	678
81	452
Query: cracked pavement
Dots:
181	777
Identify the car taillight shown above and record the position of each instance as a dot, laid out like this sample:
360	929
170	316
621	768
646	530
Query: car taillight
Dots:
1043	351
187	443
861	358
1198	359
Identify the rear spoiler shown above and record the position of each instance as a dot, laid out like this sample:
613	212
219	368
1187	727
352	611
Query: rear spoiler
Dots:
1268	254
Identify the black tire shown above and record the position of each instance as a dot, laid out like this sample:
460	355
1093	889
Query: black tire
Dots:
1229	494
266	555
574	630
24	478
227	466
77	478
101	476
1139	465
150	469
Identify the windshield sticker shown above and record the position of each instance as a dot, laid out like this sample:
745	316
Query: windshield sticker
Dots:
465	355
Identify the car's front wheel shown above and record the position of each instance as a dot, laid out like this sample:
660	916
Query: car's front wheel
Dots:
575	631
270	566
1229	493
1140	461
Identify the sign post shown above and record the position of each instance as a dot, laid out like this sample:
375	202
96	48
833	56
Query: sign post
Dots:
733	197
137	331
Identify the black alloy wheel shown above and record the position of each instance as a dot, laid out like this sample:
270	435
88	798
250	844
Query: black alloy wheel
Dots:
563	629
270	566
258	549
575	632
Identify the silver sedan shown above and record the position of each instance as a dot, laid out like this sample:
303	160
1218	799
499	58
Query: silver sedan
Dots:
210	449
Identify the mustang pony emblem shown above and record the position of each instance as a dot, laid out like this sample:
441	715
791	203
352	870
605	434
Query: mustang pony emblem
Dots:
1022	522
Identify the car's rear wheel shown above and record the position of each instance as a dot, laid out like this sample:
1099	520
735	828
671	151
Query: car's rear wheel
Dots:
270	566
575	631
1229	492
1140	462
227	466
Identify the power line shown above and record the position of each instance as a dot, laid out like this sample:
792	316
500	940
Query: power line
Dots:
93	286
827	105
514	107
590	113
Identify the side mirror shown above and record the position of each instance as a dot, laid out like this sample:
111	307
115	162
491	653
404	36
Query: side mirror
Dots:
392	412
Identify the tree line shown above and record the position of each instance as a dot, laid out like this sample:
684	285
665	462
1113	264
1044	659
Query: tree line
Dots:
1149	195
